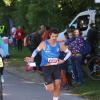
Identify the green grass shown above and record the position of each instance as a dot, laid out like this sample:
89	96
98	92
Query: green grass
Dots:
15	55
90	89
17	58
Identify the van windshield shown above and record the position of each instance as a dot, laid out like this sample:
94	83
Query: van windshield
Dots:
82	22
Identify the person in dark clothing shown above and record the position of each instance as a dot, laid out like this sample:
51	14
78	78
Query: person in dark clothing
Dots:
32	41
46	34
35	40
42	28
92	40
92	37
66	74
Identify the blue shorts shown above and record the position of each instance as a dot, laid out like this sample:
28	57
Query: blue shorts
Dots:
51	73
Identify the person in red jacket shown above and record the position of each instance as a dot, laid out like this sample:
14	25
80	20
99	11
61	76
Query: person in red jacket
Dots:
19	37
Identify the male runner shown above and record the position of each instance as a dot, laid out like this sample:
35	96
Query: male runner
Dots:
50	50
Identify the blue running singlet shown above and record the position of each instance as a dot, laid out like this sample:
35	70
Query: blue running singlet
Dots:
50	54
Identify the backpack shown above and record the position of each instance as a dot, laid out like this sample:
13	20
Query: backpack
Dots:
86	49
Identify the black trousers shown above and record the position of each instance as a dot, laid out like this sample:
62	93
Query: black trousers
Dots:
19	45
1	70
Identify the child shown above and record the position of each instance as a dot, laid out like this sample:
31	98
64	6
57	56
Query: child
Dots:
1	69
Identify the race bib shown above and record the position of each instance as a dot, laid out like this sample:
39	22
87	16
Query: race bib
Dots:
53	61
1	62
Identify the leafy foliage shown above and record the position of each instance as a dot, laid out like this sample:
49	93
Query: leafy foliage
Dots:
30	14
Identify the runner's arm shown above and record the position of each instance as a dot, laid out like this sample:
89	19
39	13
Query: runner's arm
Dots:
38	49
35	52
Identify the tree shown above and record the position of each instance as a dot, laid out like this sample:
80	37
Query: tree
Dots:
30	14
39	12
18	15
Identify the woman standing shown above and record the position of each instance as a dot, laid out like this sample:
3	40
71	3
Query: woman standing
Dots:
75	48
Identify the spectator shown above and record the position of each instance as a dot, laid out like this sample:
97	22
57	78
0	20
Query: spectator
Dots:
46	34
69	40
32	41
13	32
1	50
42	29
5	46
69	37
66	68
4	49
75	48
19	37
92	37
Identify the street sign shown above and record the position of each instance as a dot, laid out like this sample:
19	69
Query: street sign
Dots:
97	1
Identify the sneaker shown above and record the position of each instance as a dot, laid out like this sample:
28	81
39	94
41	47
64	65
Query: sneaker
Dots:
2	79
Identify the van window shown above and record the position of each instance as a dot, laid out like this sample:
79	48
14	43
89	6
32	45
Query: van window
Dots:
82	22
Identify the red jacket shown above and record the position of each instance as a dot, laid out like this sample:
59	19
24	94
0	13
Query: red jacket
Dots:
19	34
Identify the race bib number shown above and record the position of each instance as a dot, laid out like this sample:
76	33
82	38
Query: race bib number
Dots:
1	62
53	61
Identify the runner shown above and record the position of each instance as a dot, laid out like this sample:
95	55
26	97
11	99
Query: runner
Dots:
50	50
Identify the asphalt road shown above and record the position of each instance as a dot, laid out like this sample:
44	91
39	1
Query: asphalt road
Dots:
17	88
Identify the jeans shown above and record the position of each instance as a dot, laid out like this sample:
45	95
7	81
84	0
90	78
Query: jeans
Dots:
77	68
14	42
69	65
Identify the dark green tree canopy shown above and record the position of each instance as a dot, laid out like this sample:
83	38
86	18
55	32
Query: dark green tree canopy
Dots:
30	14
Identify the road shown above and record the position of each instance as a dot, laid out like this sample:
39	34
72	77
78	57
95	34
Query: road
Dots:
17	88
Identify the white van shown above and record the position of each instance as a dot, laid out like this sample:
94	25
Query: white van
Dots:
81	21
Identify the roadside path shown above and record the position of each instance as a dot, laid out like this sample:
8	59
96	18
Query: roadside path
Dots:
17	88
